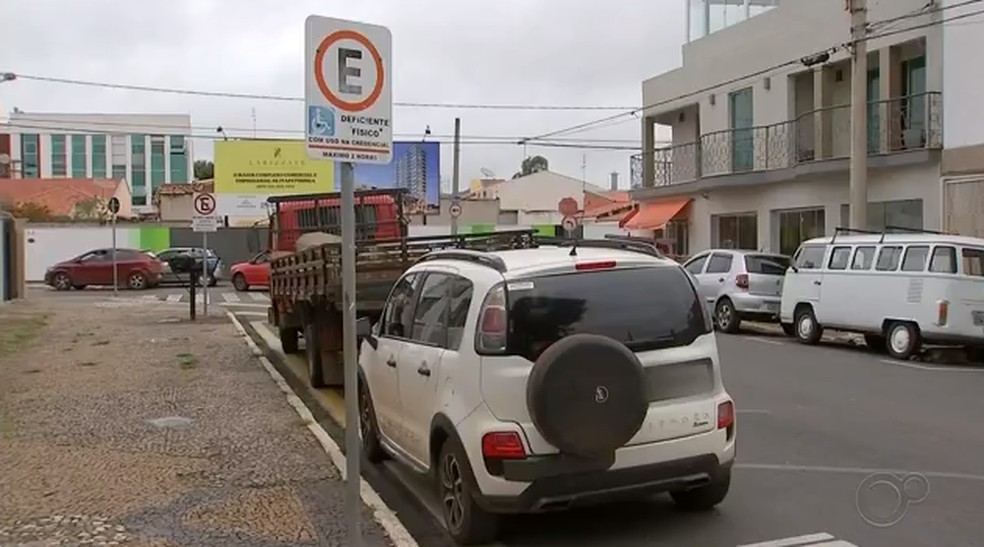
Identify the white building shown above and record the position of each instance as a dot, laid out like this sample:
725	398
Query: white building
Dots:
762	162
147	150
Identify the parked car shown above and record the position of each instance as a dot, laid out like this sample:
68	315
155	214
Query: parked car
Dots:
213	262
253	273
740	285
135	270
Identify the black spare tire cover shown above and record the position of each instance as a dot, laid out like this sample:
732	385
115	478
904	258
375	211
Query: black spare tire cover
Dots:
587	395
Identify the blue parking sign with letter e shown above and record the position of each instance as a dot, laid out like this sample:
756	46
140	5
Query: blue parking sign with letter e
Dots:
321	121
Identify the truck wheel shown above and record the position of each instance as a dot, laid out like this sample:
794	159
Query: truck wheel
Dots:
312	349
289	339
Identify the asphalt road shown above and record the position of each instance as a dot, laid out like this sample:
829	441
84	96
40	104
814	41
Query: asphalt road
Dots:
222	295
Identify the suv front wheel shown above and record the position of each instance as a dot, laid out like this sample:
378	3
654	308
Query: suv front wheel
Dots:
467	523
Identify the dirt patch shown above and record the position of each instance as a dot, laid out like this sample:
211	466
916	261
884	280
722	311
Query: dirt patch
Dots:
20	324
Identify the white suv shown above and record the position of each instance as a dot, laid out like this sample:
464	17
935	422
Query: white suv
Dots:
532	379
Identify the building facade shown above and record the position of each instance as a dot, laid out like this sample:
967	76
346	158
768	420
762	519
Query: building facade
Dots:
762	162
147	150
411	172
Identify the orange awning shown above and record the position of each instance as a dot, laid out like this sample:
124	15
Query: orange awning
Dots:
654	215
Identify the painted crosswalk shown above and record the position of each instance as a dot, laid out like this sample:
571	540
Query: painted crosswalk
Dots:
820	539
244	299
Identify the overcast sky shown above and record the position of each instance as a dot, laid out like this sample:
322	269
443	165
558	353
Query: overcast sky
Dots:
572	52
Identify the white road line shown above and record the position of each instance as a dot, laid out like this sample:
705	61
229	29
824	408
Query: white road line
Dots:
857	471
835	543
792	542
753	411
231	297
244	305
252	313
765	341
381	512
174	298
259	297
930	368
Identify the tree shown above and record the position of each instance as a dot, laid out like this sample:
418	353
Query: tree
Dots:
204	170
31	211
532	164
93	209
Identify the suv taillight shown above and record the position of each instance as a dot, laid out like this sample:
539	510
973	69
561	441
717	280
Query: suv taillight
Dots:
492	322
742	281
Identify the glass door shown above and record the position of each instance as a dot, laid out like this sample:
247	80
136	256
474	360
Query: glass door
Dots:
742	119
874	111
914	106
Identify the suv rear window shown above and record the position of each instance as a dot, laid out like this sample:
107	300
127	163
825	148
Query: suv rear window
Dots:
644	308
767	264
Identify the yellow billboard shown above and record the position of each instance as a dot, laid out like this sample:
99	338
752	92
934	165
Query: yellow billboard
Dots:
269	168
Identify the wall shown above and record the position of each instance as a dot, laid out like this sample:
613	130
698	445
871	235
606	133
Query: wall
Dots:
472	212
963	79
47	245
541	192
174	208
829	192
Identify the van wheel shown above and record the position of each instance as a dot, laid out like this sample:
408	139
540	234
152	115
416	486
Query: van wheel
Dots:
875	342
468	524
903	340
726	317
312	350
808	331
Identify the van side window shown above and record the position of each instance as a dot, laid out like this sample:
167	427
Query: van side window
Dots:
864	257
973	262
888	259
839	258
944	260
915	259
810	258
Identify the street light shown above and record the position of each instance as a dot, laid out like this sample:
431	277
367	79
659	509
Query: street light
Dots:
7	77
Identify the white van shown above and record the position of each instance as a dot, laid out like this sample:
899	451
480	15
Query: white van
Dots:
899	290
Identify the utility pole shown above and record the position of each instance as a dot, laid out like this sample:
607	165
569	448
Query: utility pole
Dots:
859	114
456	166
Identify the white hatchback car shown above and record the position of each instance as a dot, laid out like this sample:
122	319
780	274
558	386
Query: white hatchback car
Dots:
533	379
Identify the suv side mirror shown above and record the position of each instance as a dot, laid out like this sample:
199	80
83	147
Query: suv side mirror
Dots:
363	329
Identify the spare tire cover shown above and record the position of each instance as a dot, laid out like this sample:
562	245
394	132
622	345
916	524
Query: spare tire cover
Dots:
587	395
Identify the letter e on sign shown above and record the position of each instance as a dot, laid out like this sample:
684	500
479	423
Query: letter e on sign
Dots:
348	91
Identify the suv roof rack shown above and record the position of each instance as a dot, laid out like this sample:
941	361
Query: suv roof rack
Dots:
619	243
470	255
476	247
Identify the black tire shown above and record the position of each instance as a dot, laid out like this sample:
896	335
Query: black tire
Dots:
368	427
705	497
212	281
312	350
587	395
808	331
61	281
726	316
239	283
79	287
875	342
136	281
466	521
289	339
903	340
788	329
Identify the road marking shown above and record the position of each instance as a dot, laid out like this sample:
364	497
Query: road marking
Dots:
765	341
231	297
260	297
809	539
174	298
930	368
251	314
381	512
856	471
753	411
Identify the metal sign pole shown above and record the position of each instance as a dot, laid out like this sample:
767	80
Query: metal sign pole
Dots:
204	276
353	477
116	272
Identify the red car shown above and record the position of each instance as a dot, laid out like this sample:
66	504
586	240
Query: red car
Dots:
136	270
255	273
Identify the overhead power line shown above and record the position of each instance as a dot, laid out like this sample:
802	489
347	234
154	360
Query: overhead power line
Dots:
822	54
286	98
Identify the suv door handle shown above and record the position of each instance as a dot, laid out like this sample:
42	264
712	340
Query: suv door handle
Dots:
391	362
423	370
817	283
721	280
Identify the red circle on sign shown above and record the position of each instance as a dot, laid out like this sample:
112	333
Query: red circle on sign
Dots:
204	204
319	61
567	207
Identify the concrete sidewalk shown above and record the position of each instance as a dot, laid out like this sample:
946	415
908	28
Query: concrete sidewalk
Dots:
126	424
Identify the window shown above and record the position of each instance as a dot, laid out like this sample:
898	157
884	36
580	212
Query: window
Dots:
810	257
398	314
839	258
118	143
96	256
644	308
973	262
30	156
99	157
742	135
888	259
461	297
156	162
720	263
179	160
78	157
58	160
864	257
944	260
795	227
138	180
430	317
696	266
736	232
907	213
915	259
767	264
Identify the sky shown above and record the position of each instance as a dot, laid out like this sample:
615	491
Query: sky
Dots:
542	52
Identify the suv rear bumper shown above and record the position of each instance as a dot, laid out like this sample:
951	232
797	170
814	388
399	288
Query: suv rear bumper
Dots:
562	490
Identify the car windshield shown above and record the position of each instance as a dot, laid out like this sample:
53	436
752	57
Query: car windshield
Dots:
644	308
767	264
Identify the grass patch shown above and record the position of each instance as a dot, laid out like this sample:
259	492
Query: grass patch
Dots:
17	330
187	361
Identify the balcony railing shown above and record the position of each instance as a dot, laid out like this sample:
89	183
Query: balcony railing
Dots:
915	122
